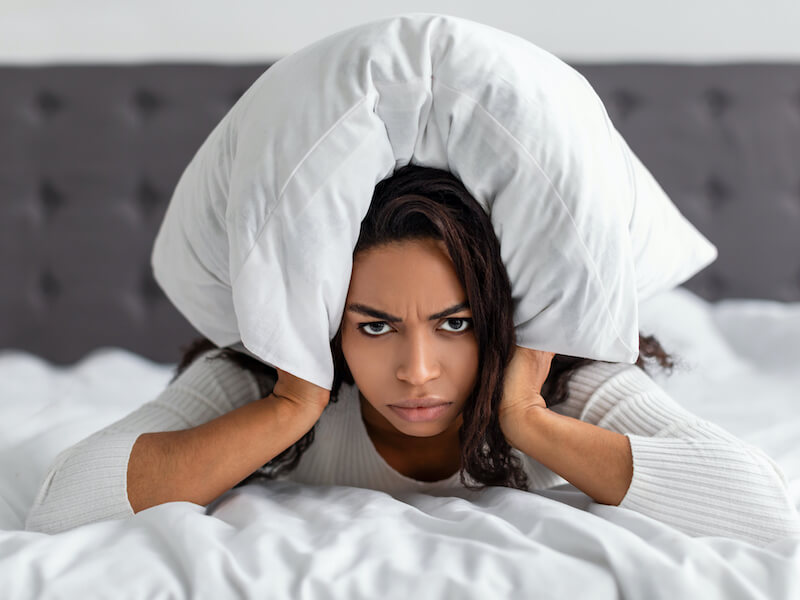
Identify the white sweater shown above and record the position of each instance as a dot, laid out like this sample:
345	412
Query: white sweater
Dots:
687	472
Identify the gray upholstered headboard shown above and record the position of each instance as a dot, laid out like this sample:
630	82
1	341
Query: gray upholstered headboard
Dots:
89	156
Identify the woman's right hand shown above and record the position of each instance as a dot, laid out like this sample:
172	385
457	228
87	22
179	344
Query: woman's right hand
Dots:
303	393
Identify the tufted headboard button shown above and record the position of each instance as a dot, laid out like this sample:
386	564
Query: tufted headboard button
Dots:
51	198
49	286
147	102
48	103
625	102
148	198
717	193
148	287
717	101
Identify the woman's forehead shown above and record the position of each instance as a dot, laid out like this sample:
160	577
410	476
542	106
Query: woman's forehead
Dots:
400	267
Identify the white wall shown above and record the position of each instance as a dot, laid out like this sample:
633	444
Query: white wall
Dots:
42	31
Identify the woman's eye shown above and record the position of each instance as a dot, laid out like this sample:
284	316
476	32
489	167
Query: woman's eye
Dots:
374	327
461	323
369	327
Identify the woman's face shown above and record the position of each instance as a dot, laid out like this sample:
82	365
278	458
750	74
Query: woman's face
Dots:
414	356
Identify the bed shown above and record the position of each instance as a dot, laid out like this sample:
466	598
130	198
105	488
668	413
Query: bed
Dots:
89	156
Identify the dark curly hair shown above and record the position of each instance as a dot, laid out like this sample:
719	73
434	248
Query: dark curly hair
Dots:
416	203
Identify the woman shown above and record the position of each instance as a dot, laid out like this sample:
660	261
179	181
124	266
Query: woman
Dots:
427	322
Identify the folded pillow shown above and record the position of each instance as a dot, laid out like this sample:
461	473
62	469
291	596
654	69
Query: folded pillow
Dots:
256	244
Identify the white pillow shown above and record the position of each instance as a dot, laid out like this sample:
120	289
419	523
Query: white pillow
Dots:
257	241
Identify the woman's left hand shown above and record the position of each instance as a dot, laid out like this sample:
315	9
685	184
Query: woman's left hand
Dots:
522	385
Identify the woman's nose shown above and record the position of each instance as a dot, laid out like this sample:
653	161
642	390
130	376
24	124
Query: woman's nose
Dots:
420	361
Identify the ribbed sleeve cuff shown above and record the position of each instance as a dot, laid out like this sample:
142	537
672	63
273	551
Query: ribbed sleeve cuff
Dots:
705	487
98	470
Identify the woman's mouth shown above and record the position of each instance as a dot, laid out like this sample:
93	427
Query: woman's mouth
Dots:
419	414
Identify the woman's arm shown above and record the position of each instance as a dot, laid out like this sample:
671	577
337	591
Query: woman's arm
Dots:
89	481
595	460
200	464
687	472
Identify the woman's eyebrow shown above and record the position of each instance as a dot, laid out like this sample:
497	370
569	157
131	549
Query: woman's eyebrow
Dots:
379	314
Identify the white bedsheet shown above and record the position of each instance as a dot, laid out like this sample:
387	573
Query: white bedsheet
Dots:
288	540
